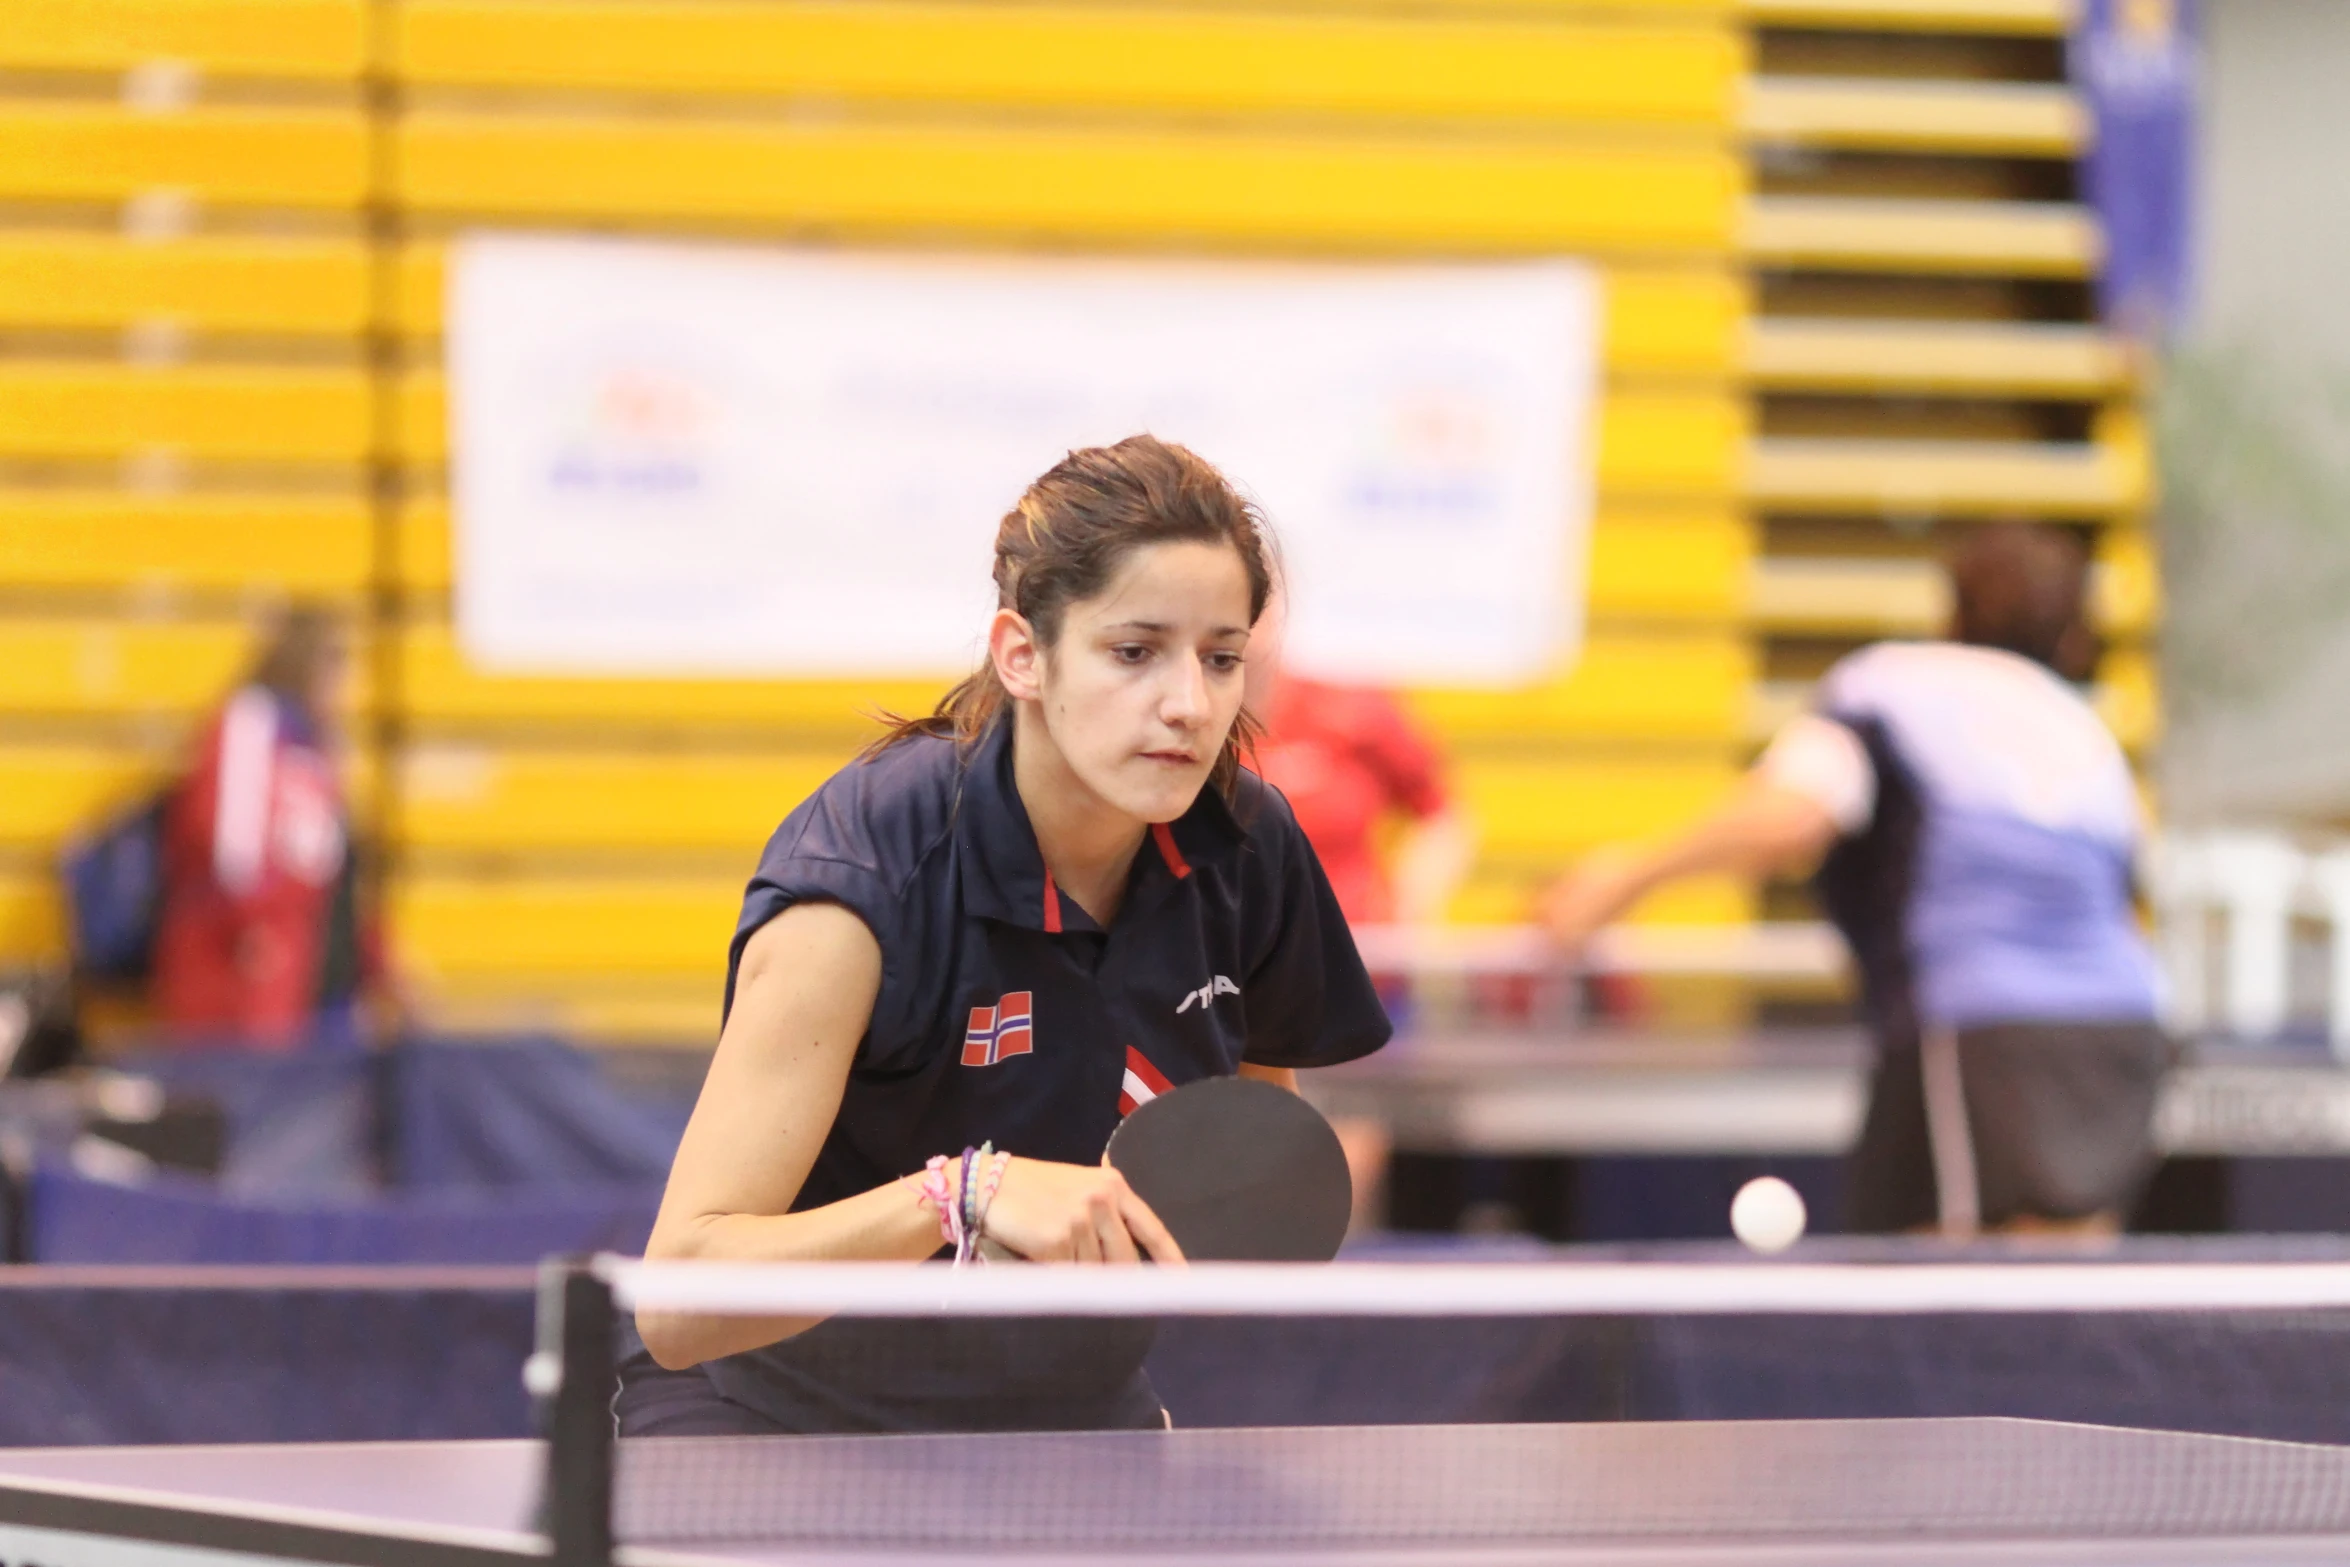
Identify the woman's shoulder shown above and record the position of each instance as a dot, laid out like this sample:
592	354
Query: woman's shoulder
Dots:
884	812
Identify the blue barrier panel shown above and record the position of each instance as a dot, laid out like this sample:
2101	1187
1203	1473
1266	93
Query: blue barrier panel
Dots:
178	1359
71	1218
498	1113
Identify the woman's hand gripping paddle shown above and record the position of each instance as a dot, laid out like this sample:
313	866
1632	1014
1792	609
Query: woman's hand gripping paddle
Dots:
1238	1171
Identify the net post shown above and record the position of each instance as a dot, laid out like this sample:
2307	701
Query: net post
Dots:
570	1375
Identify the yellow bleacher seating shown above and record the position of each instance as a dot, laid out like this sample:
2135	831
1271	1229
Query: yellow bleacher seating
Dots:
1546	811
1669	564
2026	18
294	548
48	793
209	283
32	920
273	157
1673	323
2129	698
247	413
1843	597
495	800
1679	443
420	412
1467	66
2128	584
56	667
324	39
1948	478
440	689
635	1010
1871	234
423	548
1505	895
1293	188
1688	687
1990	359
62	667
516	928
2017	119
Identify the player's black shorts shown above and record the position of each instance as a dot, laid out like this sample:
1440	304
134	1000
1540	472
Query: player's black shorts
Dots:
2061	1117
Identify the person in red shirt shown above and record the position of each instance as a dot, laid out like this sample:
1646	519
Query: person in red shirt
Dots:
1350	760
255	849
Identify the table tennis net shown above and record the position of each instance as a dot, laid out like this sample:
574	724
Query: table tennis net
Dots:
1434	1405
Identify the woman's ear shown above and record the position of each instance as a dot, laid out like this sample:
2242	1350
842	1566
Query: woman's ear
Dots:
1017	656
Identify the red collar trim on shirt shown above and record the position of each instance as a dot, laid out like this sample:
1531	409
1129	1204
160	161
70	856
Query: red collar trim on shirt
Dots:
1165	835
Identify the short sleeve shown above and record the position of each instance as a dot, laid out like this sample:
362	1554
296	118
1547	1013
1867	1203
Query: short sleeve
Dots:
1408	766
1825	762
1309	999
783	880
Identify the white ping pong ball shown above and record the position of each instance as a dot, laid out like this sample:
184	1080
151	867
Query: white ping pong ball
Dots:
1767	1214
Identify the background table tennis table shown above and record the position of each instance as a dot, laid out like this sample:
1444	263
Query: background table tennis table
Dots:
1773	1091
1661	1126
1755	1494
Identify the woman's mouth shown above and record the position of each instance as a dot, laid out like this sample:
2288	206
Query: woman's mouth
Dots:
1171	758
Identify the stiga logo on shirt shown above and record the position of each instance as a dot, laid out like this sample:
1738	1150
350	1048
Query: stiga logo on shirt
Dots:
1002	1030
1206	995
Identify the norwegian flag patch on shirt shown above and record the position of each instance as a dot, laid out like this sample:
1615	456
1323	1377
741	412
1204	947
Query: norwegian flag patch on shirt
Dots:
1143	1082
1005	1029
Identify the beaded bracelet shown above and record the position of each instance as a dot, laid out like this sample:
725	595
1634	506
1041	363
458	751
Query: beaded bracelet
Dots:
961	1200
967	1200
991	1176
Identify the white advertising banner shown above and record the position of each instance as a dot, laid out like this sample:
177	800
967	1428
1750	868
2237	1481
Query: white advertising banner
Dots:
704	460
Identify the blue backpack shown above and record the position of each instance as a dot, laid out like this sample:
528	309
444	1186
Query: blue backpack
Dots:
114	894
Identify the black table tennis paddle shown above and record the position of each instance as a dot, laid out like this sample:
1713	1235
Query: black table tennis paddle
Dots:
1239	1171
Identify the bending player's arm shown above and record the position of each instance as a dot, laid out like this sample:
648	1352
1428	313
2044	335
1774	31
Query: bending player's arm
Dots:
1432	860
804	994
1813	785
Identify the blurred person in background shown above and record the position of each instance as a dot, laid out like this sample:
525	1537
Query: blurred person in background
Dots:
1972	826
256	939
1356	768
1368	787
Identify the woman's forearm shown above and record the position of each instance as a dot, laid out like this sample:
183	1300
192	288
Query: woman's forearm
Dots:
887	1224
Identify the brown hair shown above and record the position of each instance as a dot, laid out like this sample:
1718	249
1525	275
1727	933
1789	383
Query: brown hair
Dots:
300	646
2021	586
1070	534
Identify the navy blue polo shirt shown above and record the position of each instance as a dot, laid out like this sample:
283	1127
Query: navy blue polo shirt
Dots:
1007	1014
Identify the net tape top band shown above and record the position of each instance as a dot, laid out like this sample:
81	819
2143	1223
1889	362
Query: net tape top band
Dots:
1470	1289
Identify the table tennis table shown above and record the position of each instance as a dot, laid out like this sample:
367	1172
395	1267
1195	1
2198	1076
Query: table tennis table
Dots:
1734	1494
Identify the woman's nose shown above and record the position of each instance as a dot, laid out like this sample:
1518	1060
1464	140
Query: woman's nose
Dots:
1186	701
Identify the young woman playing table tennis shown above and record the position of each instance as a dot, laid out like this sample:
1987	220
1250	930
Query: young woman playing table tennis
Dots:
971	952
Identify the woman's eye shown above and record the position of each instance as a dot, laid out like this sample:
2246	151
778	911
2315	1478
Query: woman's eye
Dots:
1130	653
1224	663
